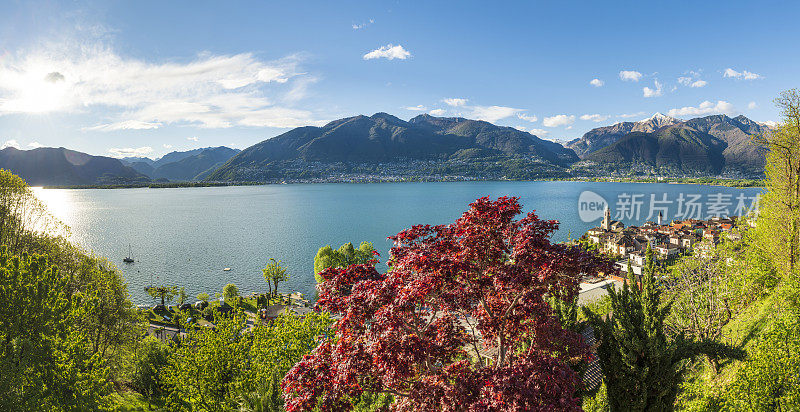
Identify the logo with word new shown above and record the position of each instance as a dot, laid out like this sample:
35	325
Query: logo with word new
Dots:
591	206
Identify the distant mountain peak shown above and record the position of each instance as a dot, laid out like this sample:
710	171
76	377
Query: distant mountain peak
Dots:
659	118
386	116
655	122
769	125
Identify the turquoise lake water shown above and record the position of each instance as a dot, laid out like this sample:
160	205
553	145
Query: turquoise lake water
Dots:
187	236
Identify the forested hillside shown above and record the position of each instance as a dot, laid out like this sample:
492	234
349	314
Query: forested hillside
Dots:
424	145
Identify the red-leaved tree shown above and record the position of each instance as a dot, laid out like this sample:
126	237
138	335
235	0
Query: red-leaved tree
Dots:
460	322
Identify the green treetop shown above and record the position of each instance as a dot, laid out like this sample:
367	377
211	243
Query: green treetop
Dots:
182	296
343	257
274	273
230	293
163	292
45	363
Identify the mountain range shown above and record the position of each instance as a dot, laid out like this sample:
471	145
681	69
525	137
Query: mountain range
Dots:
60	166
385	147
710	145
601	137
182	166
48	166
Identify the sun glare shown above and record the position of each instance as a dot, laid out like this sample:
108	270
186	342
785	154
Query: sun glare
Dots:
35	87
58	202
40	91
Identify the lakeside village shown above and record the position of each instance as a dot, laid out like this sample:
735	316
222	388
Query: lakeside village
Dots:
668	241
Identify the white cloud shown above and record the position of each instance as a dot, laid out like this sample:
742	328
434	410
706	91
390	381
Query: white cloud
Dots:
437	112
692	79
752	105
209	91
10	143
597	118
648	92
35	145
597	83
362	25
487	113
558	120
743	75
629	115
299	89
125	125
417	108
455	102
166	146
704	108
389	52
130	151
193	139
630	75
539	132
492	114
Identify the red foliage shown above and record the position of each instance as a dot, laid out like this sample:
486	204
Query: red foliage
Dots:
475	286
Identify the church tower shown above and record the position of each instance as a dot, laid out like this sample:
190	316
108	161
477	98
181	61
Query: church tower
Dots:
660	216
606	219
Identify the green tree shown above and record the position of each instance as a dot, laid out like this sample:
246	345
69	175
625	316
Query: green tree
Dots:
206	372
640	364
113	323
163	292
226	368
44	361
702	300
273	274
230	293
343	257
566	312
277	347
748	267
779	213
182	296
24	219
150	358
106	323
203	297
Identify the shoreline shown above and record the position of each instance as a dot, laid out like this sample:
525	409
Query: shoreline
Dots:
720	182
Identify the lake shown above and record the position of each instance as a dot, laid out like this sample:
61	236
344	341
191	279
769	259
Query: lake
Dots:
187	236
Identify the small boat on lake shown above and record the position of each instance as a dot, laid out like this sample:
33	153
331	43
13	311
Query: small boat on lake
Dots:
129	258
226	270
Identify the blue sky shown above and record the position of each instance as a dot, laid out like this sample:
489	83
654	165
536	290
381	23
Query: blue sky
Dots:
121	78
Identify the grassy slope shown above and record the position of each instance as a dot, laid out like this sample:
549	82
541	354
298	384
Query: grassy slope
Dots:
130	401
703	390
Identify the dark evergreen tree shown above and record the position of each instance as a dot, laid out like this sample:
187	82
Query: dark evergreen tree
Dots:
641	365
566	311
